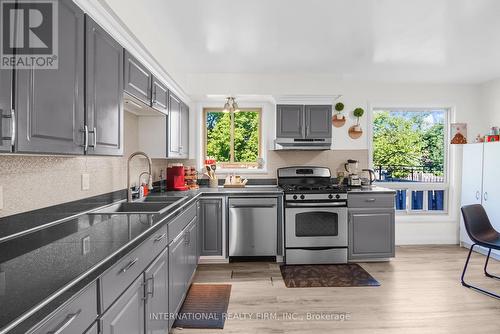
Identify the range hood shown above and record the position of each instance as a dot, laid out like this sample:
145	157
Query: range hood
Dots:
302	144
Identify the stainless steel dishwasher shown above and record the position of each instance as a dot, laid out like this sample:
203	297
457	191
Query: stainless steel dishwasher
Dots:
253	226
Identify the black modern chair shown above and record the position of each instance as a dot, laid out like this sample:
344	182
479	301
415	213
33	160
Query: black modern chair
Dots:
479	229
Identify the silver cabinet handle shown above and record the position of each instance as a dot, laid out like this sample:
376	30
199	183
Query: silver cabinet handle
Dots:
85	131
160	237
69	319
129	265
478	195
152	291
187	239
250	206
485	196
13	124
370	199
94	132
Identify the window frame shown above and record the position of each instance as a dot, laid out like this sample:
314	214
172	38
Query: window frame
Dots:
418	186
232	165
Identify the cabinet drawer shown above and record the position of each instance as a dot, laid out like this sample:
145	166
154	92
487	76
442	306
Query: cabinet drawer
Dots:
370	200
75	317
123	273
180	222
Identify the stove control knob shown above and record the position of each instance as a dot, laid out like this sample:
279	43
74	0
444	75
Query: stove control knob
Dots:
330	196
337	196
302	197
294	196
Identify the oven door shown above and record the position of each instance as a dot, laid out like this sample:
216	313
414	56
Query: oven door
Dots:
316	227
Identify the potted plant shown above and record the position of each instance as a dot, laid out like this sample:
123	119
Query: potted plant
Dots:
338	111
358	112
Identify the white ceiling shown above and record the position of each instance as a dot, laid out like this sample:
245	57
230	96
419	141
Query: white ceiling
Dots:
385	40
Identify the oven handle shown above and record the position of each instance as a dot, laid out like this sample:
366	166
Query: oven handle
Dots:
316	205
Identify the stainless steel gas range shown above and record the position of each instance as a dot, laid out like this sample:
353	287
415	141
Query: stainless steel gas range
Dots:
315	216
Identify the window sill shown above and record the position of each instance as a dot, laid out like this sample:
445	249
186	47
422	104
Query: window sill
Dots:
222	171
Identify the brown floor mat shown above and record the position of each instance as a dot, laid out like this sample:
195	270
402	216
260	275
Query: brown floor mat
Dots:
326	275
205	306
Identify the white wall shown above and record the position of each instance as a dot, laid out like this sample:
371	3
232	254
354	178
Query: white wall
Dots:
462	99
490	101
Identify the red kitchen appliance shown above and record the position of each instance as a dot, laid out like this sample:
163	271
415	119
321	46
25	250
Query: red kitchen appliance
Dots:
175	178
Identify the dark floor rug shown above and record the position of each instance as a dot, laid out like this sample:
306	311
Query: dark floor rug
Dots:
205	307
326	275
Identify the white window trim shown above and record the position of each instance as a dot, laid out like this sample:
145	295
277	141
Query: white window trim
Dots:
449	118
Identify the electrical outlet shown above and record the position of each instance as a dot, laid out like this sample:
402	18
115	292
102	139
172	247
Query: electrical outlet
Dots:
1	198
86	245
85	181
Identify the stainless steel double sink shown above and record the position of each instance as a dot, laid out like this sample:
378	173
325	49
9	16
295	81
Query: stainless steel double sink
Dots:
146	205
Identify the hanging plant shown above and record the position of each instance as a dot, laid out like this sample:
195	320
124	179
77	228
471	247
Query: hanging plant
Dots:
338	118
358	113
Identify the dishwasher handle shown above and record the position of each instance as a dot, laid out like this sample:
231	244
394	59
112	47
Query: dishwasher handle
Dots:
252	206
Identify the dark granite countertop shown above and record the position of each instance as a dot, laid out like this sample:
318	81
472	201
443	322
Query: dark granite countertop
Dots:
47	266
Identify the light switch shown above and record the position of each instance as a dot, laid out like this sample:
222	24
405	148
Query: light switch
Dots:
85	181
86	245
1	198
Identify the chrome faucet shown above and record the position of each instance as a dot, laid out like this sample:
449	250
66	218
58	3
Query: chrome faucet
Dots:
150	179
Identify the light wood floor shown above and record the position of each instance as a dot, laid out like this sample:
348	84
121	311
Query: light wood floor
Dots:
420	292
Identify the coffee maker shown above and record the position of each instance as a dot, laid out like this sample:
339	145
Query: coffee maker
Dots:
351	167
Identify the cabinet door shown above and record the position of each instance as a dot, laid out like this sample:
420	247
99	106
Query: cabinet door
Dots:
6	107
472	181
176	274
93	329
50	103
491	190
157	295
137	79
371	234
159	100
126	315
192	244
211	226
174	144
104	95
318	121
184	135
290	121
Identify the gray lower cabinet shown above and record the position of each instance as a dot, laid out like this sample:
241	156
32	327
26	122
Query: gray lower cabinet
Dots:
50	103
137	79
6	110
318	121
126	315
159	99
93	330
156	290
176	274
104	95
192	248
371	233
289	121
75	317
210	229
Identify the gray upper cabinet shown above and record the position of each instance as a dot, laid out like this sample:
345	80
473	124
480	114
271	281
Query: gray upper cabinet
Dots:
137	79
50	103
104	95
290	121
156	285
126	315
174	140
159	99
7	117
210	227
318	121
184	135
